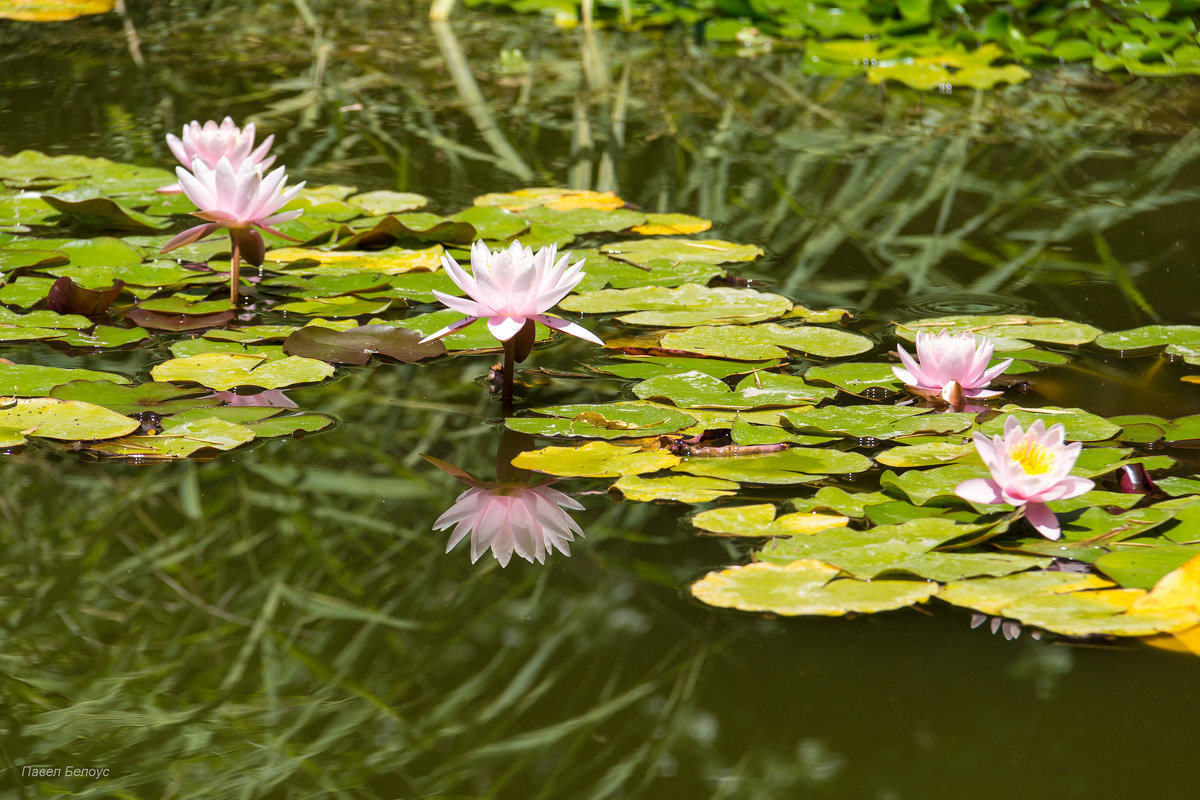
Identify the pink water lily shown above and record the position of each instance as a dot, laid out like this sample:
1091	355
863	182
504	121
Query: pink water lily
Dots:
526	520
243	201
1029	468
511	287
211	142
952	366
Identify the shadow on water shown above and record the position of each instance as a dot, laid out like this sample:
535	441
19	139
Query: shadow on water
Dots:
282	621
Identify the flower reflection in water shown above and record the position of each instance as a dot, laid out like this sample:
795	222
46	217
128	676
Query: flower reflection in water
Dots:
510	515
526	520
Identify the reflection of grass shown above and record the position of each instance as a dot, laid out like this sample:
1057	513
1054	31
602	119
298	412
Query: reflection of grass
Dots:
285	622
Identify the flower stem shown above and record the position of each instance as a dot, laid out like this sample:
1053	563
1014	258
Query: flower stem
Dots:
510	366
234	273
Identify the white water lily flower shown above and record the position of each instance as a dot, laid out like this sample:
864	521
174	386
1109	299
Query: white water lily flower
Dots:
211	142
1029	468
242	200
526	520
510	287
953	366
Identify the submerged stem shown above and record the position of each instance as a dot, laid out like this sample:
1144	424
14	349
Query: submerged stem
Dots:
234	272
510	366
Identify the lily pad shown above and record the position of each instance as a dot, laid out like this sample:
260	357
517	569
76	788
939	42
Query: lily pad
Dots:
1080	425
159	398
766	341
672	225
855	377
794	465
1009	332
760	390
604	421
682	306
70	420
693	251
1179	340
652	366
1142	567
357	345
179	439
675	488
595	460
223	371
760	521
805	587
33	380
378	203
392	261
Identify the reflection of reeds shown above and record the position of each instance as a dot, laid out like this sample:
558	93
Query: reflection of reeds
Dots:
287	618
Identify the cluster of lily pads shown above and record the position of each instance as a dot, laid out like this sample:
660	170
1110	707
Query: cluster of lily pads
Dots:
926	44
795	426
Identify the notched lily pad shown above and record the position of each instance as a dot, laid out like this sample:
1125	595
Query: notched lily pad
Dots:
805	586
766	341
68	420
604	421
1179	340
760	521
682	306
759	390
794	465
694	251
223	371
357	345
675	488
595	460
1009	332
33	380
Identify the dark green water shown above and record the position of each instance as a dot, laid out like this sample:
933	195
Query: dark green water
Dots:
282	621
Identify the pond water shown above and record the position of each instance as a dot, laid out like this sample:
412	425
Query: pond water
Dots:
282	621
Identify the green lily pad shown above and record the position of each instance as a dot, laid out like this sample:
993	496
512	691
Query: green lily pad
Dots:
600	271
69	420
1010	332
921	486
760	521
1142	567
1080	425
1098	612
160	398
766	341
18	259
855	377
794	465
672	225
681	306
833	498
185	305
595	460
291	425
179	439
928	454
26	291
223	371
693	251
379	203
32	380
344	306
675	488
357	345
876	421
473	337
580	221
1179	340
992	595
103	213
762	389
392	261
805	587
604	421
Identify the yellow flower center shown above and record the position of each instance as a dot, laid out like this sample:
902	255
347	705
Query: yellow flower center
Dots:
1032	457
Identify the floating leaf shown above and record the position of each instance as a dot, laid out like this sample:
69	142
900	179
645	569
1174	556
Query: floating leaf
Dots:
595	460
763	389
794	465
1143	567
651	366
223	371
1080	425
805	587
604	421
1179	340
766	341
993	595
378	203
676	488
32	380
392	261
70	420
52	10
1010	332
179	439
357	345
672	225
682	306
562	199
692	251
855	377
159	398
344	306
760	520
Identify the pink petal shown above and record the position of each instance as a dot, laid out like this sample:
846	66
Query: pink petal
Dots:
504	328
979	490
451	328
190	235
566	326
1042	518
